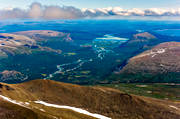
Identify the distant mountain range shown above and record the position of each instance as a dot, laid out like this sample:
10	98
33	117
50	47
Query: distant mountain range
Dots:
47	99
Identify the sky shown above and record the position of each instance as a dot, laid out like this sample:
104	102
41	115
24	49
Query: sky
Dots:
126	4
78	9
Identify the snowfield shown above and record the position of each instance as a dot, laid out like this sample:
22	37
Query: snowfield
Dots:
26	104
15	102
74	109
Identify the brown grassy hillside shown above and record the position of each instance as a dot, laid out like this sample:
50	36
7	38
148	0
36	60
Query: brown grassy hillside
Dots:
105	101
13	111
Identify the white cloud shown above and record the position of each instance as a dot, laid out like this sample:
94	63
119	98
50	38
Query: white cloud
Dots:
118	11
35	11
38	11
136	11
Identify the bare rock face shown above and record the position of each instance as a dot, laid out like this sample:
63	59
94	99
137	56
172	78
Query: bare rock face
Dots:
12	76
162	59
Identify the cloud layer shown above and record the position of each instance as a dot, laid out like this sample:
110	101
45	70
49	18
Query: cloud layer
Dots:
38	11
118	11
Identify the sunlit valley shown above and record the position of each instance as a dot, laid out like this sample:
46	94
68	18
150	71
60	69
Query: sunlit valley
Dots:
77	60
98	56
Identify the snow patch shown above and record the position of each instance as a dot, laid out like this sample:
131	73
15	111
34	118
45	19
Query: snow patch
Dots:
74	109
159	51
27	103
173	107
152	53
42	110
15	102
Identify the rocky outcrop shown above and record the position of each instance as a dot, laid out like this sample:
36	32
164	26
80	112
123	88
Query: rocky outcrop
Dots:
12	76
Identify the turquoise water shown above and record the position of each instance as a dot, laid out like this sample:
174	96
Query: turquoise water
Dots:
111	39
106	44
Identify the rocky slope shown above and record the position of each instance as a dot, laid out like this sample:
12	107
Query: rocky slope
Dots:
39	35
22	51
36	95
25	42
11	44
13	76
161	62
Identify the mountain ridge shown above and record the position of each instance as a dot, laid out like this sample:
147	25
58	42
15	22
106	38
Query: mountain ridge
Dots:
106	101
162	59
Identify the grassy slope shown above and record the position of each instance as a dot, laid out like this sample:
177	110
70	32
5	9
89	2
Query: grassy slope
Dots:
13	111
105	101
161	91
